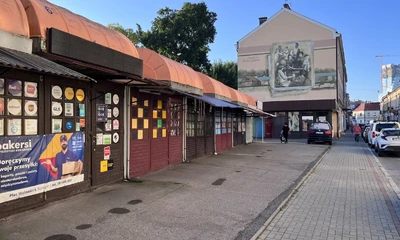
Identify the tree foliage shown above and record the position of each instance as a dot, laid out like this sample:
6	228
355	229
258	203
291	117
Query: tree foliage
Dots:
225	72
182	35
128	32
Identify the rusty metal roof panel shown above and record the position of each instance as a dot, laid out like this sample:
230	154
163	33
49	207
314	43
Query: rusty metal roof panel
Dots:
24	61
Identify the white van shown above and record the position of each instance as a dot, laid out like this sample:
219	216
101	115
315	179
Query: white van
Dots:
376	127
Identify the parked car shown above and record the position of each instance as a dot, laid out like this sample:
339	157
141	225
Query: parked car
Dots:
320	132
387	140
364	134
376	127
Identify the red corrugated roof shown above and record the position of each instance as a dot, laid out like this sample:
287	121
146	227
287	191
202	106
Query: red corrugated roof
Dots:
368	107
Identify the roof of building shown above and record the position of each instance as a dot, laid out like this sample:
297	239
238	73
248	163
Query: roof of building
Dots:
158	67
215	88
42	15
367	107
13	18
25	61
334	32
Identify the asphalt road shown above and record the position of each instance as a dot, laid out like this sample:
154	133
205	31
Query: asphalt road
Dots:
228	196
391	162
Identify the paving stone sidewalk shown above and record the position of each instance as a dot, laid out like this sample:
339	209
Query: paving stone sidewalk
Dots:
347	197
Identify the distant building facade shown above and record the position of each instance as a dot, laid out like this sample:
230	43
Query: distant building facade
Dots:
390	79
366	112
298	73
390	106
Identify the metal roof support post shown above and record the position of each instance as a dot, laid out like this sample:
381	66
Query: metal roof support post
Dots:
184	128
262	129
127	140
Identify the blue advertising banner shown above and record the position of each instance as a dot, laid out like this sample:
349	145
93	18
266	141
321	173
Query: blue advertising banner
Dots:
33	164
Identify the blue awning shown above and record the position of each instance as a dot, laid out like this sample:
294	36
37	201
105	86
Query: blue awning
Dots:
213	101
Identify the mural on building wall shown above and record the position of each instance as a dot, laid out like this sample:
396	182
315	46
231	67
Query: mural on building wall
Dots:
289	69
292	66
253	70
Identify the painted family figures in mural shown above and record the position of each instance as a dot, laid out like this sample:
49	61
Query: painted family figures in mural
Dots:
292	65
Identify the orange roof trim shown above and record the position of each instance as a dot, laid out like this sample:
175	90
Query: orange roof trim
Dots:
214	87
251	101
43	14
158	67
238	96
13	18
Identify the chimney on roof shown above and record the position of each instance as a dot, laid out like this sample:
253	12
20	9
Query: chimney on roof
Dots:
262	20
287	6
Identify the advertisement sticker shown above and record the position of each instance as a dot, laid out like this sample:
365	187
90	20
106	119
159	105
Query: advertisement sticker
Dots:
14	107
69	93
56	92
31	108
107	152
115	99
69	109
14	127
107	98
56	109
80	95
30	89
31	126
56	125
15	88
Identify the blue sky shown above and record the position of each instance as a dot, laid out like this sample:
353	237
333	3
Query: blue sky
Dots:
368	28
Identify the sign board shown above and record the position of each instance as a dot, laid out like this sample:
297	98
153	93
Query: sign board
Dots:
101	113
107	152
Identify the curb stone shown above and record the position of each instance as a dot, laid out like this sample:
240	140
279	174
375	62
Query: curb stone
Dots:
392	184
290	196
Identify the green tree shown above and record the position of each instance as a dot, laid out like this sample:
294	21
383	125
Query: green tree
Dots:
225	72
182	35
128	32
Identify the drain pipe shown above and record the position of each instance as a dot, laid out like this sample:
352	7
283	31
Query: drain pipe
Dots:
184	128
127	142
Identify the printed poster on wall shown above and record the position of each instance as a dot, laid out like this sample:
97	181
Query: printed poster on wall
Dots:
35	164
2	127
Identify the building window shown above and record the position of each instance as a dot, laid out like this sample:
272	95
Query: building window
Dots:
223	122
218	121
209	121
175	127
368	114
229	122
201	119
191	120
236	121
360	114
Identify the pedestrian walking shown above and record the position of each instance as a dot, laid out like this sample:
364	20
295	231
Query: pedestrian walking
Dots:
357	131
285	132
